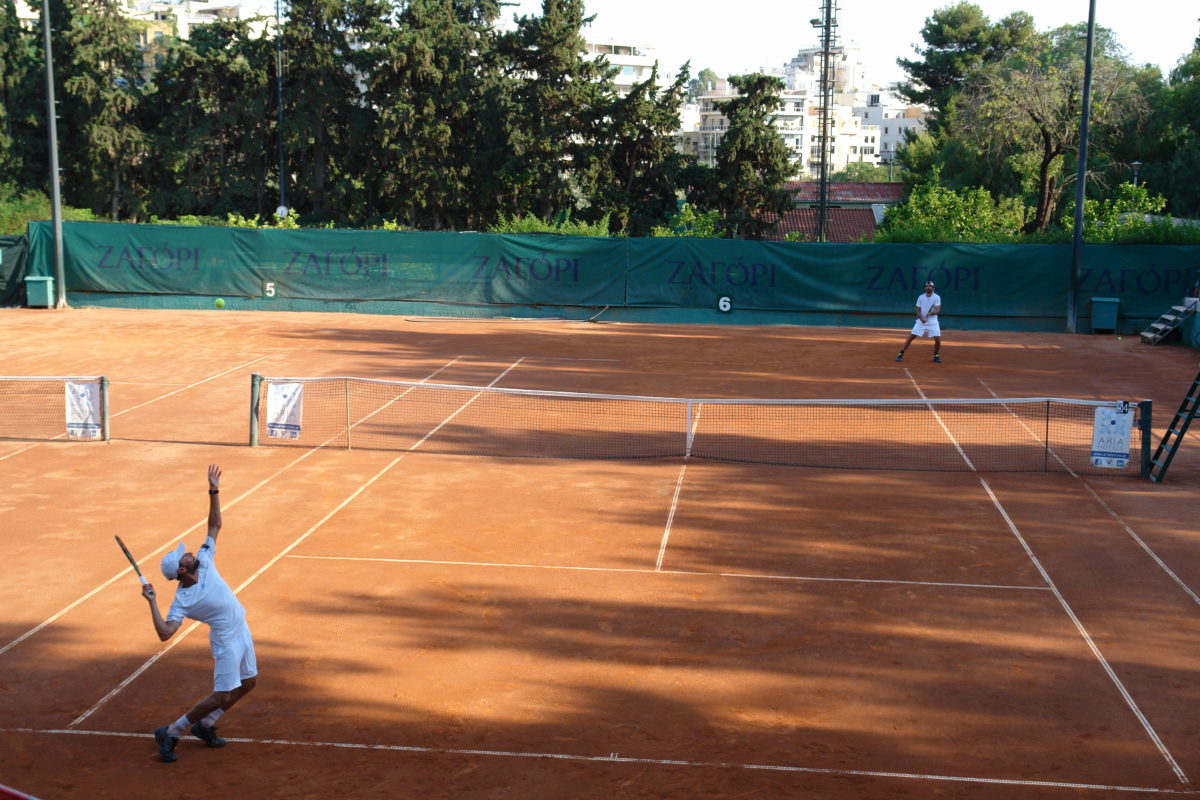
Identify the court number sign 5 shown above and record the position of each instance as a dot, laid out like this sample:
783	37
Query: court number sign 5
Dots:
269	289
724	304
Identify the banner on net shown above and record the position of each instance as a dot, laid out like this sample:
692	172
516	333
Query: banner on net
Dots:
83	410
285	410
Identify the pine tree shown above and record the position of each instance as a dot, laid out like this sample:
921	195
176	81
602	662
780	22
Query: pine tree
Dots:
752	159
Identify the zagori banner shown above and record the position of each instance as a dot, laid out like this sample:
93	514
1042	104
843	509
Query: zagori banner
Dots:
981	281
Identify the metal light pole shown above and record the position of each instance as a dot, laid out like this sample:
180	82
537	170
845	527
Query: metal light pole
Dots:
1081	175
1135	165
826	23
60	281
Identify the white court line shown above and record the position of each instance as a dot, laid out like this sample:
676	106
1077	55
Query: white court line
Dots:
1154	556
148	402
685	572
617	758
1062	601
662	548
116	690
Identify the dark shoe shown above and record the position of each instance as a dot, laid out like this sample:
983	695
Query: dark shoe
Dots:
900	356
207	735
166	744
937	359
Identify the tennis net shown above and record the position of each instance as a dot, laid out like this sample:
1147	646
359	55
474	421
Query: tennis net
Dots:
1037	434
46	408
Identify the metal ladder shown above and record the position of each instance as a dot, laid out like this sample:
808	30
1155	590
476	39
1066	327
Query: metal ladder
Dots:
1175	431
1168	322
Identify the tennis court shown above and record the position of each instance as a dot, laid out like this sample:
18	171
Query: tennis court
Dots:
439	624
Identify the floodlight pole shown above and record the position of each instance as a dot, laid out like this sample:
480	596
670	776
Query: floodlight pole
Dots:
60	281
1081	175
826	23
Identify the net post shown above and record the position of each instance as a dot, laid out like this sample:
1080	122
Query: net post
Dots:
346	403
255	390
107	435
1145	417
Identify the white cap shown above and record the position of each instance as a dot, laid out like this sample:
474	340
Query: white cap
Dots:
170	562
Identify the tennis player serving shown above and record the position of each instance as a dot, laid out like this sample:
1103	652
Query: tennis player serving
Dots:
929	307
204	596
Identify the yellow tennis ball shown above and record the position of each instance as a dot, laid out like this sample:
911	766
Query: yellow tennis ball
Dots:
219	303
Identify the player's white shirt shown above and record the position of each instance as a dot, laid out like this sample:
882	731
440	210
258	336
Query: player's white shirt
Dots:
209	600
927	302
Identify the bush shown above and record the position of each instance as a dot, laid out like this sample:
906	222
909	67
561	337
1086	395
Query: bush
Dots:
18	209
566	226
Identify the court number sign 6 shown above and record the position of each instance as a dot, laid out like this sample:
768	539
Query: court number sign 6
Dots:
269	289
724	304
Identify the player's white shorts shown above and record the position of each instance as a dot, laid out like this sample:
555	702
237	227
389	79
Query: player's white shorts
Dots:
930	328
233	660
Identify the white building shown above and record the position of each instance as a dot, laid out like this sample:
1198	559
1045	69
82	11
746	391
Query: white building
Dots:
893	117
634	63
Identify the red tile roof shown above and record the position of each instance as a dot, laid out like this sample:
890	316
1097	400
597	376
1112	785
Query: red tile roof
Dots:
806	192
841	225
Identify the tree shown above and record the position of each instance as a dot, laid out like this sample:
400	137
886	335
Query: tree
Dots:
21	162
1024	112
102	87
862	171
209	123
425	86
560	101
641	180
959	39
752	159
935	213
324	116
704	82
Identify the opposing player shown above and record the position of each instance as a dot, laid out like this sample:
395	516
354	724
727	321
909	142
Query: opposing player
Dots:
929	306
204	596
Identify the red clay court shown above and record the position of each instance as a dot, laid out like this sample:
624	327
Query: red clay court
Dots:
462	626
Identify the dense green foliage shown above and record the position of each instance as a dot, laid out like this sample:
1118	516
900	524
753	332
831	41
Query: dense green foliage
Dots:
430	115
423	114
1006	103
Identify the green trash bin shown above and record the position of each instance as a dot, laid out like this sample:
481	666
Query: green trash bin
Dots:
39	292
1104	313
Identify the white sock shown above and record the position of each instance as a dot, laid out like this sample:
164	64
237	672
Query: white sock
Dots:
211	720
179	726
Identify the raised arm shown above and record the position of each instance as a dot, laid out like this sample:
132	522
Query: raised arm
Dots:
214	500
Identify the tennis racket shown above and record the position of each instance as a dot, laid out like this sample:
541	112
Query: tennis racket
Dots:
132	563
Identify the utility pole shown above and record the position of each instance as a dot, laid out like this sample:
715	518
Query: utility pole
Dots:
827	23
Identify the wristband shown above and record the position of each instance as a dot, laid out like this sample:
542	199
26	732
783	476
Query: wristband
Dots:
214	491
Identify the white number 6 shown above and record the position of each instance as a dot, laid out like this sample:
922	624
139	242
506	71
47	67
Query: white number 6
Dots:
725	304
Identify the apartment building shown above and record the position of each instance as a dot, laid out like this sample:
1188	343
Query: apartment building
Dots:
893	117
634	63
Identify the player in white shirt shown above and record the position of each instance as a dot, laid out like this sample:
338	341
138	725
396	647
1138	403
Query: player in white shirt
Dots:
929	306
204	596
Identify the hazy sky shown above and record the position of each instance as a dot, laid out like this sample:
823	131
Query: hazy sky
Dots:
739	36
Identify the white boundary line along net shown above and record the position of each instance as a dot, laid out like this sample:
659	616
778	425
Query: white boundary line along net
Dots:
892	434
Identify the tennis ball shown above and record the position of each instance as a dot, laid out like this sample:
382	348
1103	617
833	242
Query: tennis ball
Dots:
1118	338
219	303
